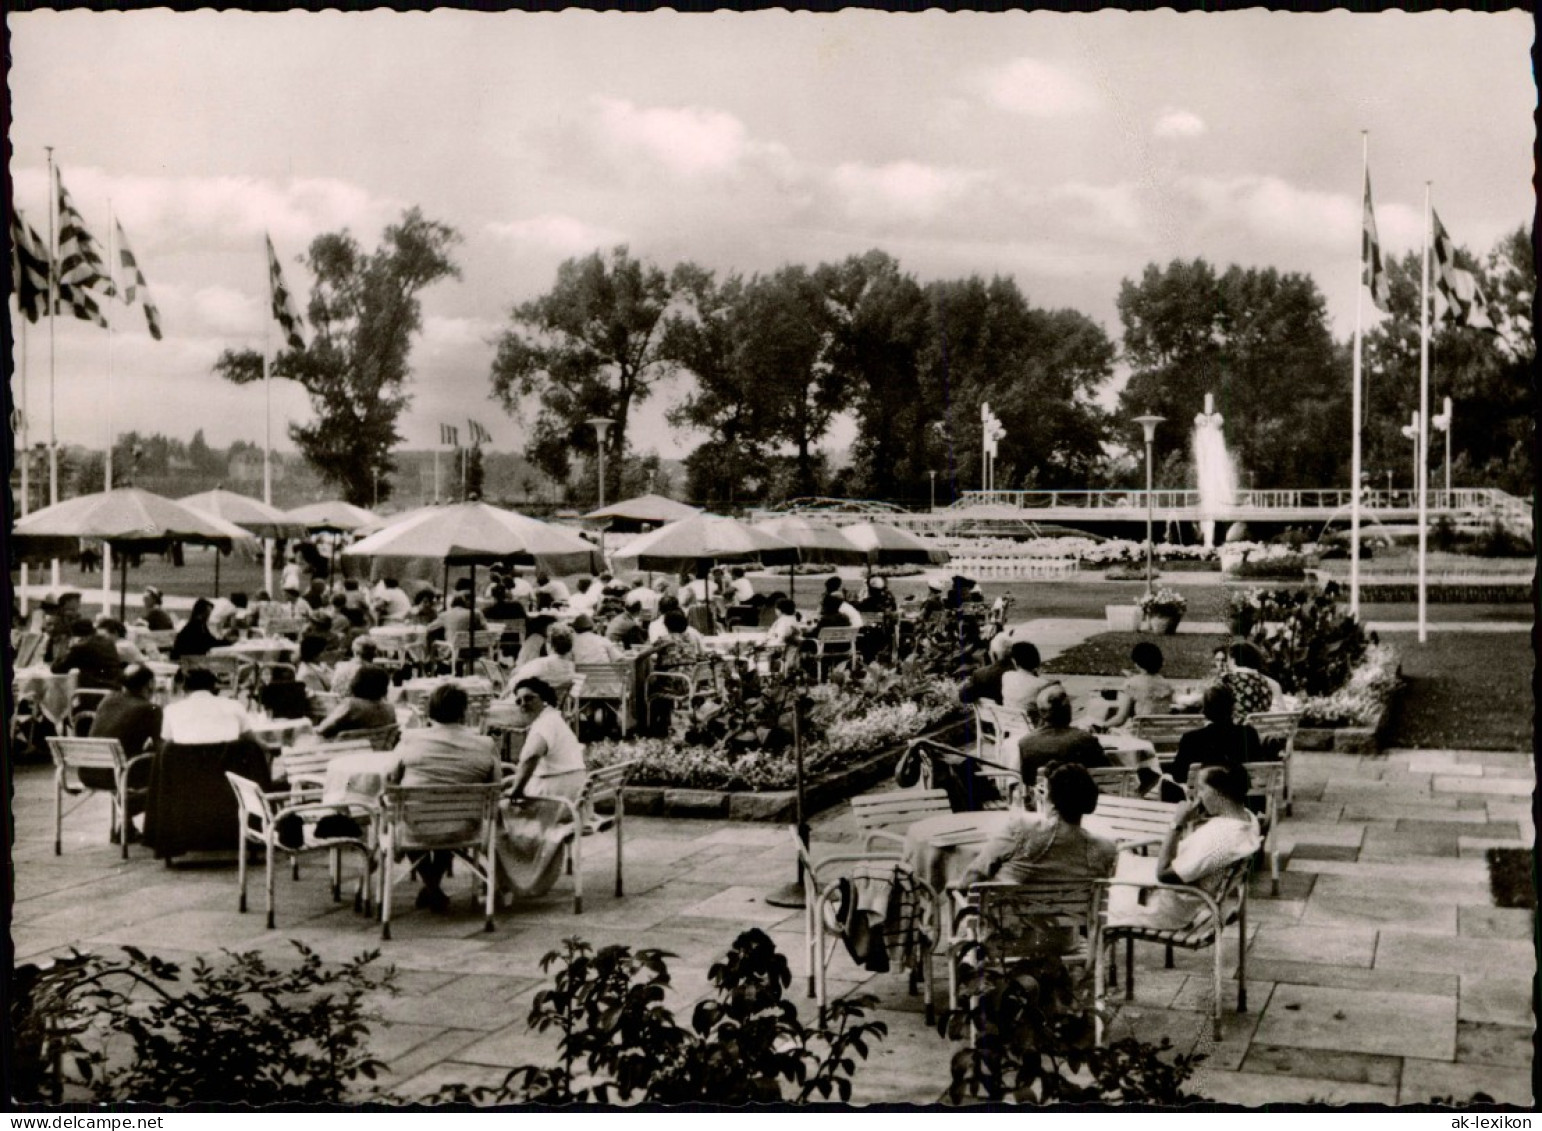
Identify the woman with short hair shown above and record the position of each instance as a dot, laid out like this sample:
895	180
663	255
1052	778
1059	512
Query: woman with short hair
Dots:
550	765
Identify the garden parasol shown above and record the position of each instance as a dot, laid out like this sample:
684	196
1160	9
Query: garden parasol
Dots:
334	515
815	542
889	545
474	533
130	520
705	538
654	509
251	515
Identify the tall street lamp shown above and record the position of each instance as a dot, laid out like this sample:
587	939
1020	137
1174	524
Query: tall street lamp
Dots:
933	475
1411	432
1442	421
1148	426
601	427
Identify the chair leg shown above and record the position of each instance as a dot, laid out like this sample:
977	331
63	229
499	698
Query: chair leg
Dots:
489	881
385	893
576	863
241	865
269	877
120	812
809	912
620	814
1129	967
1242	955
1168	964
59	812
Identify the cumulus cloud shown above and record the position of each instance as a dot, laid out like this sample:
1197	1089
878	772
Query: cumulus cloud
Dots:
555	232
903	190
1175	123
1276	210
689	142
1038	89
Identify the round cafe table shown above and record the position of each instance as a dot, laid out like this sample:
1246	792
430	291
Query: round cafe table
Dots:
274	734
258	648
50	690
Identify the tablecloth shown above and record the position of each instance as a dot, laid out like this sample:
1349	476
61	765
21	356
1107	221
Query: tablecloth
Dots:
273	734
359	778
50	690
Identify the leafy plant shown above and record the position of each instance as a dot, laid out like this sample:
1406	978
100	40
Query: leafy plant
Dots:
1310	644
1163	602
242	1032
1032	1043
1363	697
619	1042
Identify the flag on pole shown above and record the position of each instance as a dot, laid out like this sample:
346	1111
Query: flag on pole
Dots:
1457	294
80	303
1374	274
284	312
449	435
80	256
479	435
29	269
134	284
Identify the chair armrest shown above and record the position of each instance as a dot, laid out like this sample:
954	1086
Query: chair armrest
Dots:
346	808
135	760
856	858
1212	904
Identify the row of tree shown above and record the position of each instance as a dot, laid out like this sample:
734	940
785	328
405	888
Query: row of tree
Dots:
771	360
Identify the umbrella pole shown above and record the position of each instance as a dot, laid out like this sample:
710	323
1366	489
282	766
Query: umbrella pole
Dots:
792	894
216	571
471	652
123	588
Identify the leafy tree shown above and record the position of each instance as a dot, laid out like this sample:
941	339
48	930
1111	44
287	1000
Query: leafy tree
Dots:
1259	341
588	347
363	313
1038	371
1488	377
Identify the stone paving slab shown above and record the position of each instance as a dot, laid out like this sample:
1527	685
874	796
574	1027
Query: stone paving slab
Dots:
1479	1042
1255	1089
1424	1080
1496	922
1388	1024
1337	946
1335	903
1498	999
1332	1064
1411	950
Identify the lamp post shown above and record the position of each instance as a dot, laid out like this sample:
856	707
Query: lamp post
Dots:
1442	421
1411	431
601	427
1148	426
933	476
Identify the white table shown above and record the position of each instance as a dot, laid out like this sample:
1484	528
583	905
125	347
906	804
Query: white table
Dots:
359	778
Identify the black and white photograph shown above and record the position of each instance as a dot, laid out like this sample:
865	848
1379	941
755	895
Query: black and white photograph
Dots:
861	559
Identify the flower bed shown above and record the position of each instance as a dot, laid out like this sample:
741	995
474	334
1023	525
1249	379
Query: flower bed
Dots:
1353	718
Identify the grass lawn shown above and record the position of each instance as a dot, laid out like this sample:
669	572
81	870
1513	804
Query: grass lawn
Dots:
1186	656
1466	692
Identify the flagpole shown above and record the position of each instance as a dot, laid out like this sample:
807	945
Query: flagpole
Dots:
1421	441
1354	398
437	450
267	465
112	281
26	450
53	318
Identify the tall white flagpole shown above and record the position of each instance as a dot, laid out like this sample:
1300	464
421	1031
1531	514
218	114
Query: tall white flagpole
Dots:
437	450
53	318
25	453
1354	398
112	277
267	453
1421	441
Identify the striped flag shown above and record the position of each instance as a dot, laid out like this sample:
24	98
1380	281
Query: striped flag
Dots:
449	435
80	257
29	269
479	435
134	285
284	312
1457	294
1373	273
80	303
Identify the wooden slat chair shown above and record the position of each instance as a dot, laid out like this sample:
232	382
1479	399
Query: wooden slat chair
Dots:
610	684
322	704
237	677
821	894
29	647
259	815
290	627
462	819
604	785
305	767
886	816
464	646
1131	821
1164	731
1112	782
998	920
996	731
1266	782
831	646
71	755
1280	726
679	685
1206	929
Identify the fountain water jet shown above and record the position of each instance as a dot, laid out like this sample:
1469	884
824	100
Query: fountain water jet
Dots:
1215	475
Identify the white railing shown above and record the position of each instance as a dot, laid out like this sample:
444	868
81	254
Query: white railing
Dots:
1323	499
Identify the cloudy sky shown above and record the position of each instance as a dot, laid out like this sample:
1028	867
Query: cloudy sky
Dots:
1068	151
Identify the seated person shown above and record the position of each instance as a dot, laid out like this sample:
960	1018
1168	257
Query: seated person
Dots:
156	618
195	638
459	617
201	716
502	608
1218	743
282	695
1052	846
680	647
626	629
1255	689
589	647
647	598
1056	740
1207	835
830	614
392	605
740	590
1145	692
93	653
445	752
521	590
668	603
586	597
1021	683
984	682
365	708
533	646
310	671
787	627
425	610
228	615
130	717
556	667
362	651
554	589
117	632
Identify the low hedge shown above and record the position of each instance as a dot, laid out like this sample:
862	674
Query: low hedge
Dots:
1448	593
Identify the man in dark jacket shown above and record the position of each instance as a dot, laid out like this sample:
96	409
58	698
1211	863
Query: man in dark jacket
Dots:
94	654
1057	740
130	717
1221	743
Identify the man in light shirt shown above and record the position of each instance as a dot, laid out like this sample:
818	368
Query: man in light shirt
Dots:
645	598
587	599
392	605
589	647
201	716
740	591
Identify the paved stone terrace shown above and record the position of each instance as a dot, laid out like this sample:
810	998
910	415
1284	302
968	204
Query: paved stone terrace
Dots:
1381	974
